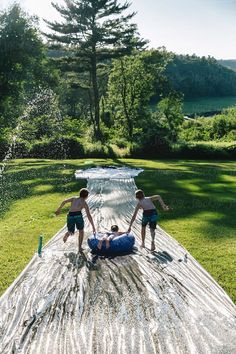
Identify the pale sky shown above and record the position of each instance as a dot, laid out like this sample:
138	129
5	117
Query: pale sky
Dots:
203	27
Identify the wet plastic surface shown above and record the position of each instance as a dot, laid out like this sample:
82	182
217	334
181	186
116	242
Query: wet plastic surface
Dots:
163	302
108	173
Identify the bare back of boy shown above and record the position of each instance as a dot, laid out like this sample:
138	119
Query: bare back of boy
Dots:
77	204
147	203
75	217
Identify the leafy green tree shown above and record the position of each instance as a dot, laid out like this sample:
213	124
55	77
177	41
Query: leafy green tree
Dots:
219	127
131	85
192	130
162	127
74	100
42	118
94	31
22	62
170	109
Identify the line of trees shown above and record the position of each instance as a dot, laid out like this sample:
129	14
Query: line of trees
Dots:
201	77
94	61
92	83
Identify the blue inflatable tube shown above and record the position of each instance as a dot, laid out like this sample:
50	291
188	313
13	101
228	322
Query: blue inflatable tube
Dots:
122	244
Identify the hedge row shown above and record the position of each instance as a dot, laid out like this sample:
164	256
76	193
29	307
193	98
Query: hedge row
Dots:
56	149
71	148
188	151
204	151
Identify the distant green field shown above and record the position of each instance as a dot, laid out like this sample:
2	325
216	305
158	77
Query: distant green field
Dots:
208	104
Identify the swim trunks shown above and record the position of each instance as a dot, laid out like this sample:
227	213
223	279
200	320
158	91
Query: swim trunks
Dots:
150	217
75	218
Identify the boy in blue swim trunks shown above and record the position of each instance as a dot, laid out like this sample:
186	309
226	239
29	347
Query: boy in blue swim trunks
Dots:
75	217
149	214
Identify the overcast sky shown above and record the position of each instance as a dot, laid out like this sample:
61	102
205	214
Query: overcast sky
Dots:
203	27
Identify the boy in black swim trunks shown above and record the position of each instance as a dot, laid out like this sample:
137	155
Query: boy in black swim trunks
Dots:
75	217
149	214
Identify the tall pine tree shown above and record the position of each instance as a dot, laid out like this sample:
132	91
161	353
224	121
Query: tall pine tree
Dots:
93	31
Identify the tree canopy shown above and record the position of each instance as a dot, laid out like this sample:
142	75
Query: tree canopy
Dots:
22	59
132	83
200	77
93	31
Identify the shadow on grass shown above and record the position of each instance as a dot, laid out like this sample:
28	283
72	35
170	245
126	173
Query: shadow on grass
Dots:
22	179
188	188
26	178
191	189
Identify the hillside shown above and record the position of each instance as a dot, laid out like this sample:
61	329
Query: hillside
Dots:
230	63
194	76
201	77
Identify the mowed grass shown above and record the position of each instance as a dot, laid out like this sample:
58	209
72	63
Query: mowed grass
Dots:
200	193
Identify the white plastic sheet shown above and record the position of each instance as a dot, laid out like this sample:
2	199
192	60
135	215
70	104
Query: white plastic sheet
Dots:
108	173
142	303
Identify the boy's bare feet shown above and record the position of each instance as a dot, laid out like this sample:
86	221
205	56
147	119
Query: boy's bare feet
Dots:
153	247
142	245
66	236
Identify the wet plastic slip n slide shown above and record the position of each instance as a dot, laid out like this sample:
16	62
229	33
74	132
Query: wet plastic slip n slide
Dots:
134	304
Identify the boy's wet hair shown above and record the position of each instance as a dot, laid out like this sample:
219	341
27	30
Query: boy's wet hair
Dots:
139	194
114	228
83	193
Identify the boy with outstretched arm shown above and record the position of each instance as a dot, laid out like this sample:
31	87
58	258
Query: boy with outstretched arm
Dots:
75	217
149	214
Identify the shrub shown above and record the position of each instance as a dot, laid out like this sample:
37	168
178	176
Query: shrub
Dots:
17	150
116	151
156	146
97	149
231	150
231	136
74	148
120	142
60	148
211	128
21	149
203	151
4	146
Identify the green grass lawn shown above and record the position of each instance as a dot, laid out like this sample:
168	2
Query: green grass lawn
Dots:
201	193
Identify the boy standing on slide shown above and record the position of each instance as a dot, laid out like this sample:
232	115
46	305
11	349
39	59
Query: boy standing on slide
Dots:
149	214
75	217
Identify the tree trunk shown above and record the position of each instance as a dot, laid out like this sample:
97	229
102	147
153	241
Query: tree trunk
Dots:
91	107
126	111
95	96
